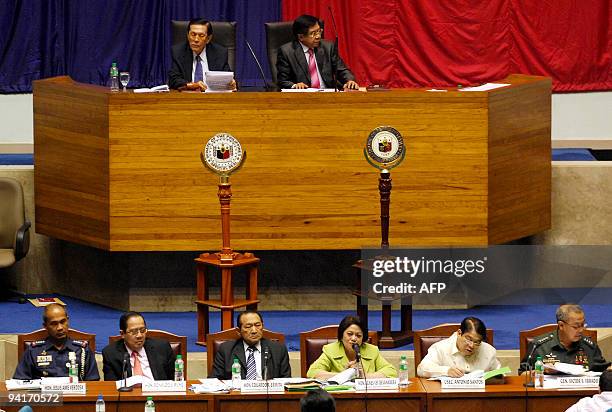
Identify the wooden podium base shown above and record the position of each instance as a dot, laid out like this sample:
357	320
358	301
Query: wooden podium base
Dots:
387	339
227	304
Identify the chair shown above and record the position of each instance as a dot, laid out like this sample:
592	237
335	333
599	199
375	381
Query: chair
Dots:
24	340
423	339
224	34
214	340
277	34
14	227
177	343
312	342
527	336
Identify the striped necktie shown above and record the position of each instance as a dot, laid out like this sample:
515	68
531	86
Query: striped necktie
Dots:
251	370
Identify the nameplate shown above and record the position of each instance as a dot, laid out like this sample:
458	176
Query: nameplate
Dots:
65	388
462	383
262	387
376	384
164	386
571	382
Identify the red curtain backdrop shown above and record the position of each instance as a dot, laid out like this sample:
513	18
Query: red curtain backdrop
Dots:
401	43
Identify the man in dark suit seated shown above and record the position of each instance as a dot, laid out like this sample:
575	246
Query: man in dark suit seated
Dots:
151	358
309	61
192	59
251	350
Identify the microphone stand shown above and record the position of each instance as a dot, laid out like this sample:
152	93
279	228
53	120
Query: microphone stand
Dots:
124	387
267	87
264	372
334	59
365	377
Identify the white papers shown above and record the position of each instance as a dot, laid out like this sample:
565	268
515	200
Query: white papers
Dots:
131	381
484	87
309	90
157	89
218	81
436	90
342	377
566	368
18	384
211	385
478	373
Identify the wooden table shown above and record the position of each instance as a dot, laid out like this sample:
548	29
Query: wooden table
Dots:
122	171
412	398
510	396
422	395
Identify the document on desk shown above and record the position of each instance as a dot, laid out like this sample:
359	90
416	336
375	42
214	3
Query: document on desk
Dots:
484	87
19	384
219	82
210	385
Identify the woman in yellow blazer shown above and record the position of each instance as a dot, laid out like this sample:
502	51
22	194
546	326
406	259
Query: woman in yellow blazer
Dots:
339	356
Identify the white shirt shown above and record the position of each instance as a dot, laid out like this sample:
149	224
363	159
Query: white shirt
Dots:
307	55
144	363
598	403
256	354
203	63
444	355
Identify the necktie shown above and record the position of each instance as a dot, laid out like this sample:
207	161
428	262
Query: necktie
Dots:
137	369
312	70
251	371
198	76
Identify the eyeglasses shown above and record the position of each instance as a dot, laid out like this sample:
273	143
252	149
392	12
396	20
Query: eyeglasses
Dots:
577	327
315	33
200	35
469	341
135	332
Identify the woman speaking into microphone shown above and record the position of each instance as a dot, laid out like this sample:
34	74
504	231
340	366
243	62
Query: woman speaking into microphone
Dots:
350	351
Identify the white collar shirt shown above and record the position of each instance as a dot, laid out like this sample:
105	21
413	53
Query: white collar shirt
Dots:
444	355
598	403
144	362
256	354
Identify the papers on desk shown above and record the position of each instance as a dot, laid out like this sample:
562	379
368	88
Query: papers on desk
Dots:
22	385
484	87
211	385
343	377
566	369
157	89
131	381
219	82
309	90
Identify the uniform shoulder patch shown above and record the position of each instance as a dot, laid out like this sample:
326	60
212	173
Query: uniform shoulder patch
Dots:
588	341
81	343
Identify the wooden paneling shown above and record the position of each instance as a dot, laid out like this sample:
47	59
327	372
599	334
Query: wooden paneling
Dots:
305	184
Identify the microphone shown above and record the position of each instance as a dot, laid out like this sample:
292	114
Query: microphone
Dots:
536	345
357	354
124	387
266	356
267	87
334	61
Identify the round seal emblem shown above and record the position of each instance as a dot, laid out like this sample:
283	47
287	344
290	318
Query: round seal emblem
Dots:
385	148
223	154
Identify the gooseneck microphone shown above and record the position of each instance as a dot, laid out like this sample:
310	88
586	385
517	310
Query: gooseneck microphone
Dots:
261	73
124	387
334	59
365	378
536	344
264	373
357	354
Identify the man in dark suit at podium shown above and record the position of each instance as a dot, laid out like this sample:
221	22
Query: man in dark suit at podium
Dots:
252	351
151	358
192	59
309	61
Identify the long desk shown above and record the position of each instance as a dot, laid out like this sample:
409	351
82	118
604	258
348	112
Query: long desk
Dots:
421	395
122	172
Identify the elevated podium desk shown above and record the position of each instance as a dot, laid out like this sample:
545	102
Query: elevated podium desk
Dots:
122	172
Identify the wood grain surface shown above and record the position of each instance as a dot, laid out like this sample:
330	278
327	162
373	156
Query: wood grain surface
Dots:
121	171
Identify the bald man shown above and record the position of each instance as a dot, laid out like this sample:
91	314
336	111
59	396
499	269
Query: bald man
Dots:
50	357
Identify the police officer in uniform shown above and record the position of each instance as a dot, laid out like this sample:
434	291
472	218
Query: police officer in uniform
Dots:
51	357
566	344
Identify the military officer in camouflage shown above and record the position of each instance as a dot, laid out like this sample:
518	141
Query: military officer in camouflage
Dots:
566	344
49	357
